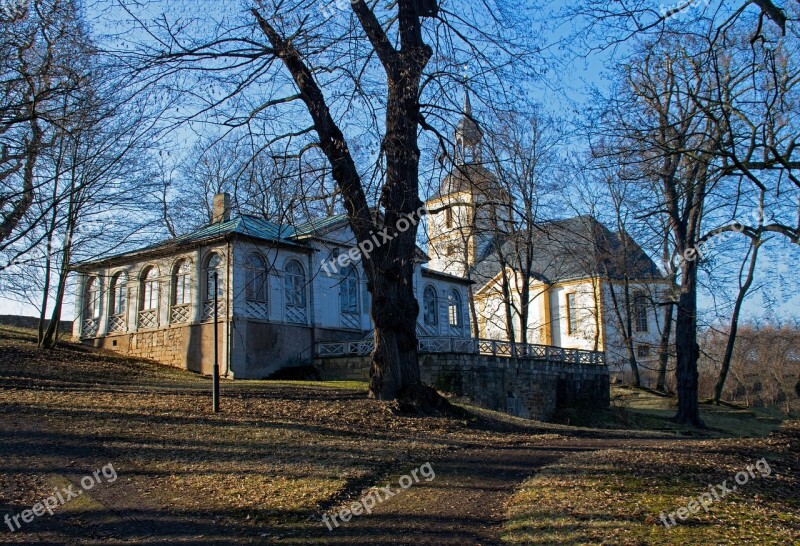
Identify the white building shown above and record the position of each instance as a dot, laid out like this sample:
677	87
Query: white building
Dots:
274	300
277	300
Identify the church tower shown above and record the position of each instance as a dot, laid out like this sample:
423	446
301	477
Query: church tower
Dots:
470	210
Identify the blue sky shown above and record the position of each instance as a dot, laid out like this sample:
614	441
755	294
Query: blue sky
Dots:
562	90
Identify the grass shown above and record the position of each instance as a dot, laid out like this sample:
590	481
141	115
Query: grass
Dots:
618	496
644	409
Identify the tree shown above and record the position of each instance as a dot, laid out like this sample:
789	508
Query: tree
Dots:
524	154
688	137
376	58
40	67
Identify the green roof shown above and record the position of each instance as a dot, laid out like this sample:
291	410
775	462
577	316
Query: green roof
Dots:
247	226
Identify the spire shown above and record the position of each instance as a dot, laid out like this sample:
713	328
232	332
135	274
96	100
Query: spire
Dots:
468	134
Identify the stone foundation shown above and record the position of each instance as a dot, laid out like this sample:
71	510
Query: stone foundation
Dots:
528	388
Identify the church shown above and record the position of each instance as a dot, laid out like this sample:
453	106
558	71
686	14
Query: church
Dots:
565	280
274	299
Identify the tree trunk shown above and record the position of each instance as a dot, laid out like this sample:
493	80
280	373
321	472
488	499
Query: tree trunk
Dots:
48	266
394	374
626	325
663	349
394	311
734	326
51	335
687	350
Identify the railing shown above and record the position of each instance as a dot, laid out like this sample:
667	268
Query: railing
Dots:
429	345
116	323
148	319
90	327
208	310
180	313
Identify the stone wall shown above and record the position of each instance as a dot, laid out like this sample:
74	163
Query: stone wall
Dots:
190	347
528	388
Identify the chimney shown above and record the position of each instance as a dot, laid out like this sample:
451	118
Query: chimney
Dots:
222	208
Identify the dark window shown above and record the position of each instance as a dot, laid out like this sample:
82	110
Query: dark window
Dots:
640	311
572	314
430	306
256	279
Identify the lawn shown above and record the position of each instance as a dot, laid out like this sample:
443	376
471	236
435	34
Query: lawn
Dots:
618	496
282	453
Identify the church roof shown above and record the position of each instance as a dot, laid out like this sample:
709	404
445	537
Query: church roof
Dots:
470	177
467	127
569	249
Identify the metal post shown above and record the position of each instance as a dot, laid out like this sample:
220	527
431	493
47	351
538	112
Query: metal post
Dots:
215	372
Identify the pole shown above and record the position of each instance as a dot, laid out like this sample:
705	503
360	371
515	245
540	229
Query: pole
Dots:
215	373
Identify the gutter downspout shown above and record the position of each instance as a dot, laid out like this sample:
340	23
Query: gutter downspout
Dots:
229	332
311	277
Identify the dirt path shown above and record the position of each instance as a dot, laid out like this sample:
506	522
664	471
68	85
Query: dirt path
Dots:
465	504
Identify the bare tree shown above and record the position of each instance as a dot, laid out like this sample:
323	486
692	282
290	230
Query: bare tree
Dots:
374	58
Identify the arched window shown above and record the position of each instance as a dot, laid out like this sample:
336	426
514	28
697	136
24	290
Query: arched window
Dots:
182	283
430	305
91	307
295	292
255	271
454	309
149	300
119	294
181	292
119	302
348	291
214	278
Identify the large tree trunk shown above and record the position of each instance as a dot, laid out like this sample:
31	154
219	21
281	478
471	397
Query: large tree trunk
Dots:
394	373
395	367
734	326
687	350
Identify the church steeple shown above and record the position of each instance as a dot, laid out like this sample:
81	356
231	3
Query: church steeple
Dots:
468	136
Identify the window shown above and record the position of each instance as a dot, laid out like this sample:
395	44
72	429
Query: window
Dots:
348	291
214	277
430	306
640	311
572	314
255	271
150	289
92	299
182	283
454	309
448	217
451	249
643	351
295	285
119	293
